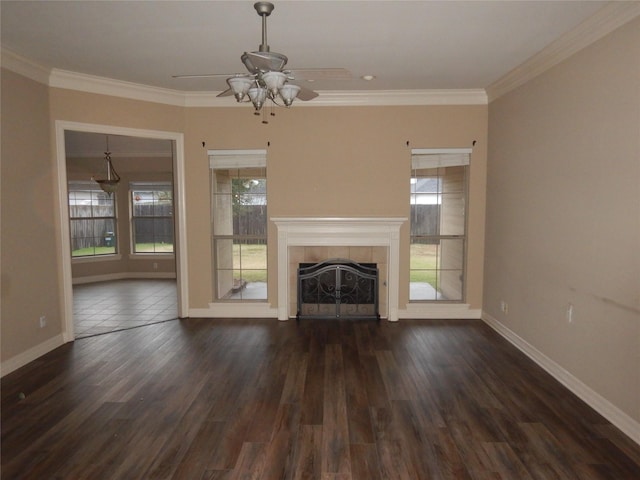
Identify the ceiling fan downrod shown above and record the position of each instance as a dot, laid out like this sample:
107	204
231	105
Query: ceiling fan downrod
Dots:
264	9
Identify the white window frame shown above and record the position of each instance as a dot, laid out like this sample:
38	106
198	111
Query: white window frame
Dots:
149	186
441	158
84	185
232	160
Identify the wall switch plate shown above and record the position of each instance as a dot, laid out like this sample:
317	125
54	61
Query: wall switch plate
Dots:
43	321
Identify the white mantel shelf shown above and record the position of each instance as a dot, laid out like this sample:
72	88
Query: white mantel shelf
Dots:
339	231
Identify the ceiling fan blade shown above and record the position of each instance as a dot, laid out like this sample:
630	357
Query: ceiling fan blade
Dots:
305	94
321	73
205	75
227	93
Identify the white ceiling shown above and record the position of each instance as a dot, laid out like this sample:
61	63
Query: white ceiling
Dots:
405	44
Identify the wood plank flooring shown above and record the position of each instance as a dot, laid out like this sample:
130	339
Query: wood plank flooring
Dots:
326	400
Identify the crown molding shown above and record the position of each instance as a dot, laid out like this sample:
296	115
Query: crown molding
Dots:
117	88
105	86
23	66
603	22
336	98
81	82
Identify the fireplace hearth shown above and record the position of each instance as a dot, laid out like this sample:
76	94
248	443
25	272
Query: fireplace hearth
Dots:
338	288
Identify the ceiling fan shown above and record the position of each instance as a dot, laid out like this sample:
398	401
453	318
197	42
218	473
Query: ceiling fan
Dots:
267	79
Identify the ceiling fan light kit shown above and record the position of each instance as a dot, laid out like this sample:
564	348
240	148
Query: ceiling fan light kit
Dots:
267	80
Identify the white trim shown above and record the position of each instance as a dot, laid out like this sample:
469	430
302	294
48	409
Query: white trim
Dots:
232	159
351	98
438	151
604	407
151	256
122	276
603	22
96	259
30	355
235	310
23	66
449	311
82	82
343	231
63	212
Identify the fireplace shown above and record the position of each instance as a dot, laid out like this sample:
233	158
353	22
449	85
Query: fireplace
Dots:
337	288
316	239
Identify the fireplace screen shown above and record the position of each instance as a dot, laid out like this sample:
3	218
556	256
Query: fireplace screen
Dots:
338	288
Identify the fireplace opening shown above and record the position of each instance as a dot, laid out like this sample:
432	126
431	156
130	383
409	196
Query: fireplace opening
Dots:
338	288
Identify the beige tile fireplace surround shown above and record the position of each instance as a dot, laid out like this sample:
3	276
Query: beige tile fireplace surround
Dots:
375	240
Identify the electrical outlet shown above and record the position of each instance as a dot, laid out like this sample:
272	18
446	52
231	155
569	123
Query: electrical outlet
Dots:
504	306
155	265
43	321
570	313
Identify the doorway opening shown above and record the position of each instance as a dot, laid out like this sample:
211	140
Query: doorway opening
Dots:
122	258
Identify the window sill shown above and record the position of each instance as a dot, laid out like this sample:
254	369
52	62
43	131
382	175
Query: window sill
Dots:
97	258
152	256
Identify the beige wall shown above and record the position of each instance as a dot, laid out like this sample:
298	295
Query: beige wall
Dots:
30	264
323	161
333	162
563	215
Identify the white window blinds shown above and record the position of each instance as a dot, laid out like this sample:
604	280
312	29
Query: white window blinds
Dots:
231	159
434	158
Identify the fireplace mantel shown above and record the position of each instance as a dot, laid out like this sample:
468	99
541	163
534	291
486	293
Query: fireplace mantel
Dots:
338	231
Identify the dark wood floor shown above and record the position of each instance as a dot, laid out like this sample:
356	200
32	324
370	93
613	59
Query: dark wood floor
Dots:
262	399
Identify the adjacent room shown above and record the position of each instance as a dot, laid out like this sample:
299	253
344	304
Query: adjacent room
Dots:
121	233
406	247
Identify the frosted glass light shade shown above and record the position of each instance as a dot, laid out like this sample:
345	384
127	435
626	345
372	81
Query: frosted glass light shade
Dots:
274	81
257	95
239	86
288	93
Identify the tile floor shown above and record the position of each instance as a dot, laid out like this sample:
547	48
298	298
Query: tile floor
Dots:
121	304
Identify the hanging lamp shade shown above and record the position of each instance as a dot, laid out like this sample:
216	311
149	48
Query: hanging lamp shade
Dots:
288	93
274	81
109	184
258	95
239	86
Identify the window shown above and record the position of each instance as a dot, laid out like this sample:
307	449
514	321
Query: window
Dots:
152	218
239	224
92	219
438	224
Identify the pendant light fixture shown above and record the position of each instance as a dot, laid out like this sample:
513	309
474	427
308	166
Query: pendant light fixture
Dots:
110	183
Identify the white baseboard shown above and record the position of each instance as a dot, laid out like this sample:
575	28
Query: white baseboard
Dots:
122	276
447	311
235	310
604	407
30	355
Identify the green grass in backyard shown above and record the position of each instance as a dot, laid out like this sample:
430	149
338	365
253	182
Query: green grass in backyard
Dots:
423	262
253	261
140	248
154	248
90	251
